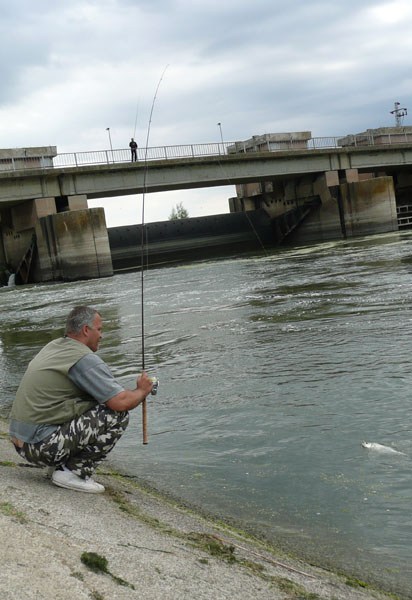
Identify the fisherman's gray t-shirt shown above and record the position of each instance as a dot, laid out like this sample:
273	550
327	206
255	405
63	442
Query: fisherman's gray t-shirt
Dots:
90	374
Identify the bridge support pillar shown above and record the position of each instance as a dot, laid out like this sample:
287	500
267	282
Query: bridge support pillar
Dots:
77	202
18	226
325	223
369	206
350	206
71	244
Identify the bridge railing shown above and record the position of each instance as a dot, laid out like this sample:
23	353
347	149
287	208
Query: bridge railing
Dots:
107	157
122	155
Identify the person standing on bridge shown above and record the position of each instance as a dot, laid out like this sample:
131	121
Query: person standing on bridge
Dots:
133	148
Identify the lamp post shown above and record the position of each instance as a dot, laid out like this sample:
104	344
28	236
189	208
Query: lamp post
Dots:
221	137
110	141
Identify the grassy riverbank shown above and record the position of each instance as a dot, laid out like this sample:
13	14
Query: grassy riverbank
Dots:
130	542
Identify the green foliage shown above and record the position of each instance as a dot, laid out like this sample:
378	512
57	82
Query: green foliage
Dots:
353	582
214	546
94	562
10	511
294	590
98	564
178	212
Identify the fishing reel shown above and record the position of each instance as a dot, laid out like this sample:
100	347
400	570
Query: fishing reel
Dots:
155	387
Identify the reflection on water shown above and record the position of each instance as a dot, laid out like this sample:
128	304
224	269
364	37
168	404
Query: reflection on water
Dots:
272	372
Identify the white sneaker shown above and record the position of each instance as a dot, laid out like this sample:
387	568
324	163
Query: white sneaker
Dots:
71	481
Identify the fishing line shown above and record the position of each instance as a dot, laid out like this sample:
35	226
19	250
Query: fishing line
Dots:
144	246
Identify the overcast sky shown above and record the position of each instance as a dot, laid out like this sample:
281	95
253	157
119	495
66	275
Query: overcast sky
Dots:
71	69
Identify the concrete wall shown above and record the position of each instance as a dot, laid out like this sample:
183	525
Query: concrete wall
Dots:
275	197
26	215
77	202
18	226
190	239
269	142
381	135
358	208
27	158
73	245
369	206
15	245
351	203
324	222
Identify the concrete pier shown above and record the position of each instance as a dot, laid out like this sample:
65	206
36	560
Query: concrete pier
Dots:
70	245
73	245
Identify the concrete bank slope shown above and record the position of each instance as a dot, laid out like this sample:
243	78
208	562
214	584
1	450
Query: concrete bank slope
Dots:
154	549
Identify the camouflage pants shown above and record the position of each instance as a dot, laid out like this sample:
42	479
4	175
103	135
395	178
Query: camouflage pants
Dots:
81	444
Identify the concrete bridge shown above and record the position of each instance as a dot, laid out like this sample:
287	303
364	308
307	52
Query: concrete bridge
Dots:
357	188
105	179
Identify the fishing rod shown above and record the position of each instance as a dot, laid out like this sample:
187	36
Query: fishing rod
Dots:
144	246
135	121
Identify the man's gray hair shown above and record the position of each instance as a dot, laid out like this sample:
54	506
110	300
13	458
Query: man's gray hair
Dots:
80	316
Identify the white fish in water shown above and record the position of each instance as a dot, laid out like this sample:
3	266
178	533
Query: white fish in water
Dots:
380	448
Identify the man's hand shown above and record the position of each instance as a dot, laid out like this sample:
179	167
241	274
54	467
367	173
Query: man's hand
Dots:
129	399
144	383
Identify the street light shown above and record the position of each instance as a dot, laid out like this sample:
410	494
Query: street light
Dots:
110	141
221	137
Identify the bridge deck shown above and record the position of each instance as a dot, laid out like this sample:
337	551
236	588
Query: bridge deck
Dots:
93	175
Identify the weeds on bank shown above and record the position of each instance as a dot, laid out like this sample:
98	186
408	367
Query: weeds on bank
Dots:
218	549
7	463
355	583
293	590
10	511
98	564
215	547
212	546
209	543
128	508
96	595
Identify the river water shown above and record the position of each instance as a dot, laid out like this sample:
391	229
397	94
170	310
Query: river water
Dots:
273	369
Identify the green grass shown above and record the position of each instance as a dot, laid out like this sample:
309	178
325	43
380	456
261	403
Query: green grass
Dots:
10	511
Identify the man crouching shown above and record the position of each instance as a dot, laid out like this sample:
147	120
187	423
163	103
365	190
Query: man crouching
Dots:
69	410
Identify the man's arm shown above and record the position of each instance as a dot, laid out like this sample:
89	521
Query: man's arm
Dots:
93	376
129	399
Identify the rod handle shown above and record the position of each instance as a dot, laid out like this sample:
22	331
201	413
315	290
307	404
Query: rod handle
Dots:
144	422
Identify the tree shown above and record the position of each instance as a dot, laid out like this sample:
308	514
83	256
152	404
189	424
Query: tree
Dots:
178	212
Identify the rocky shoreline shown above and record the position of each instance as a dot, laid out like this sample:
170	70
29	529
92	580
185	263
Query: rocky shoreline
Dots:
148	546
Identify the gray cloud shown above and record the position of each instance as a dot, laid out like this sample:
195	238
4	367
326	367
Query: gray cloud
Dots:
75	68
